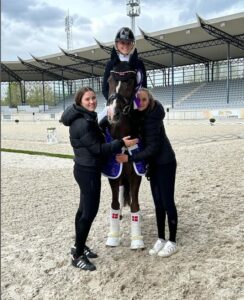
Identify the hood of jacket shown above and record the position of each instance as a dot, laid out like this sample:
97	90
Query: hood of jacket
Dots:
74	112
157	113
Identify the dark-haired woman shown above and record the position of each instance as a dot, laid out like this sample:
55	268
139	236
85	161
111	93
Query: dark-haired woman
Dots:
89	149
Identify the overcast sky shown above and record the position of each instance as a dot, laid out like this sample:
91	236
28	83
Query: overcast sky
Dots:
37	26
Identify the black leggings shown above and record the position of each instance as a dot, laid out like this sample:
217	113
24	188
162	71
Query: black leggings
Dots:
89	181
162	182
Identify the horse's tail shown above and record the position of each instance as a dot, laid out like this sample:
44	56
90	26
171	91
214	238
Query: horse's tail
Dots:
127	196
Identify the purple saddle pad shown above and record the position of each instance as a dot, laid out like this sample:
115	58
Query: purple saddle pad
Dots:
112	169
140	166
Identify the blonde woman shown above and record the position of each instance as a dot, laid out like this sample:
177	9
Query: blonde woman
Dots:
160	156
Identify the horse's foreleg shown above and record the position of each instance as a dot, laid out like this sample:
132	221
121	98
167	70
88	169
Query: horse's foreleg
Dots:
113	239
114	184
121	199
134	187
136	235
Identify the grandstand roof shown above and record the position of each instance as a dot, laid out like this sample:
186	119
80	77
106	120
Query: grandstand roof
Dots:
200	42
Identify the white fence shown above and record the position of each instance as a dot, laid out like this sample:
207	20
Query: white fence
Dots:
171	114
30	116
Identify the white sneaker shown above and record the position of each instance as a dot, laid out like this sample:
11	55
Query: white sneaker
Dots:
169	249
160	243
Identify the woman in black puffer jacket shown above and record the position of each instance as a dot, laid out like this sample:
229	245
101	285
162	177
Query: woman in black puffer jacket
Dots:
161	159
89	149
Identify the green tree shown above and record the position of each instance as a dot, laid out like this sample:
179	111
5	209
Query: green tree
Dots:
34	94
13	95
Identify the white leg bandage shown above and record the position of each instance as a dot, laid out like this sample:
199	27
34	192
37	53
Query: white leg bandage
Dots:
136	236
113	239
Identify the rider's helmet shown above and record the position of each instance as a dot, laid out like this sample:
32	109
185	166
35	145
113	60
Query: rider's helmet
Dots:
125	34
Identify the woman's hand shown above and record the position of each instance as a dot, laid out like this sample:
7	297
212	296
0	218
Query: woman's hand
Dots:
128	142
122	158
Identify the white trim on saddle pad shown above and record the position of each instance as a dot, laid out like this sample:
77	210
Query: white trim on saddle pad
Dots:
117	176
130	149
137	172
120	167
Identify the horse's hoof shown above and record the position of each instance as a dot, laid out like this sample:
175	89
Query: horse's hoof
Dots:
113	242
137	244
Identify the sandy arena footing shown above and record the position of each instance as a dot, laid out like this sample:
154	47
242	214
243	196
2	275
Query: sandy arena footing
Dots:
40	199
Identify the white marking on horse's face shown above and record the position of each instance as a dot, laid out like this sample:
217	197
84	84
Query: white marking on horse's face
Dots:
110	111
118	87
114	104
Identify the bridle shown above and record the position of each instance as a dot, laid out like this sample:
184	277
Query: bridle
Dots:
113	98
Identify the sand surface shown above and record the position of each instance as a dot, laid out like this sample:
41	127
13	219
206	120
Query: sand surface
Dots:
40	199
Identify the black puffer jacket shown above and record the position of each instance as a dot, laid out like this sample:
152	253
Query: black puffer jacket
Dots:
86	137
158	149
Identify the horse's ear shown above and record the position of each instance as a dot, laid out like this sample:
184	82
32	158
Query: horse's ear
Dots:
133	59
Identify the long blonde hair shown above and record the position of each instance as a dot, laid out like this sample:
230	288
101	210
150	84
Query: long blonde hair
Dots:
150	97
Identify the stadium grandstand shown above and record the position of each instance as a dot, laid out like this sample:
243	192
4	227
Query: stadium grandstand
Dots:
193	68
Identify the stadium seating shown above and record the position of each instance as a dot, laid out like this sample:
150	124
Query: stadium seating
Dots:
204	95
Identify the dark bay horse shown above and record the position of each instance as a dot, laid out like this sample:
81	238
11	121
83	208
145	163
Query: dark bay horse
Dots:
123	122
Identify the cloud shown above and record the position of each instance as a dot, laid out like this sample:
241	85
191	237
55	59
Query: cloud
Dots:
37	26
210	9
32	13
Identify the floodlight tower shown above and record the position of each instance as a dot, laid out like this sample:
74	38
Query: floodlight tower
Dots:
68	29
133	10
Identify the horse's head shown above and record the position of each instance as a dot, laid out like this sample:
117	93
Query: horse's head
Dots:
122	82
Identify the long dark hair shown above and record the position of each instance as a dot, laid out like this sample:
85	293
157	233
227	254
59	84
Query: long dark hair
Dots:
80	93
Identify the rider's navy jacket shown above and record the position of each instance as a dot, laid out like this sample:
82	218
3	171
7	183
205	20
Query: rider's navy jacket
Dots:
86	137
138	66
157	147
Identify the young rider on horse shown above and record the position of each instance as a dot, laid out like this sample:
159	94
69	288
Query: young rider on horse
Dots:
162	164
124	48
123	51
